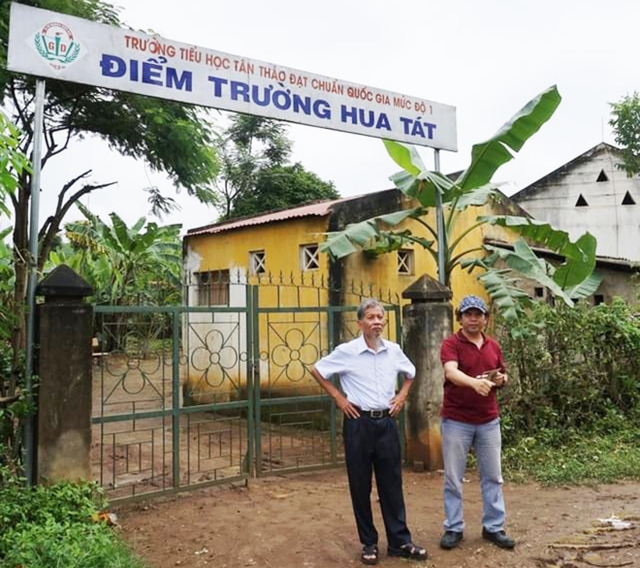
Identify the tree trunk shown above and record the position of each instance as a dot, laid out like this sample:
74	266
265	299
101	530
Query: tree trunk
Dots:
21	261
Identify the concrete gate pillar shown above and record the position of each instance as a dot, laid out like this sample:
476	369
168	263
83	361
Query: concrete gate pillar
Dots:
65	325
427	321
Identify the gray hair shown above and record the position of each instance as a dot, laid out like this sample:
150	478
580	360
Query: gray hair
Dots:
367	304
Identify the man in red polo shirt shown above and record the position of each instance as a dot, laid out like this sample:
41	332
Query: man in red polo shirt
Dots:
473	369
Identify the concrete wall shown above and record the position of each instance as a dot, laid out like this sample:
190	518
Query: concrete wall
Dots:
615	226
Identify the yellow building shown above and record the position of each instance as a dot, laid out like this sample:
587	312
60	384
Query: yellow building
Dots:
285	244
295	284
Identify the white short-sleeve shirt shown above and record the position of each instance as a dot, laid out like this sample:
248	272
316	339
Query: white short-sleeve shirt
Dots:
368	378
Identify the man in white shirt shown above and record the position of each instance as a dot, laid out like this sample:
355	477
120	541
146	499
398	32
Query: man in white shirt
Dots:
368	367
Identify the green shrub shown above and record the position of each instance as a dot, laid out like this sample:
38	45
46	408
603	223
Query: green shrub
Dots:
50	527
571	412
572	368
63	503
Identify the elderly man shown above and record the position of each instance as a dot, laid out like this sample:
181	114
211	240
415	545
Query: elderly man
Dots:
473	370
368	367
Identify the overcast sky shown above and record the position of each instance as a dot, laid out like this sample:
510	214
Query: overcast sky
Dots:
487	58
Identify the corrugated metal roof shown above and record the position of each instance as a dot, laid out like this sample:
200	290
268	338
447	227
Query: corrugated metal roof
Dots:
313	210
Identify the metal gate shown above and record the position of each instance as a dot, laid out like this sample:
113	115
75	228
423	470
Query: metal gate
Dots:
189	396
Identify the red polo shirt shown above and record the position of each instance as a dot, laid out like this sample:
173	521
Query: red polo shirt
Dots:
463	403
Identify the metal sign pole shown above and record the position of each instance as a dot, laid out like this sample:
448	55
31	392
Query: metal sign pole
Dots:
442	237
34	225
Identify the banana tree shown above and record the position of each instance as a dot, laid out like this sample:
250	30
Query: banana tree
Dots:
472	188
124	263
133	265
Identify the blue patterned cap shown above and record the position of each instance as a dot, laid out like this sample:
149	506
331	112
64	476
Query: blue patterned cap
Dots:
469	302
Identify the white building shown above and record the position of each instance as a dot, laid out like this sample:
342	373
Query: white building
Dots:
590	193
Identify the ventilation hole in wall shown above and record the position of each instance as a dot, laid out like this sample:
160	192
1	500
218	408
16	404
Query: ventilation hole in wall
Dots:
628	200
582	202
602	176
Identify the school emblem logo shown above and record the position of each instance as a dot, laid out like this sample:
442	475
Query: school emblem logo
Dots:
55	43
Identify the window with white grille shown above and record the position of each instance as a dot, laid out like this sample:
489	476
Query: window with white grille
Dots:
405	261
309	257
257	262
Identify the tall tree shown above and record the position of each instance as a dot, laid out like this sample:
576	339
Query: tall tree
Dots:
255	176
625	122
12	165
279	187
170	137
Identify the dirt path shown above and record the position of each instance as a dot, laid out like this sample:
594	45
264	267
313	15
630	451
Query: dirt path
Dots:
306	521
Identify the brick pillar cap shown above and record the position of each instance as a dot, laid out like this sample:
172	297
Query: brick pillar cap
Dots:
427	289
63	283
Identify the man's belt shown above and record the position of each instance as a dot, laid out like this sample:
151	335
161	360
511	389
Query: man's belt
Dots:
374	413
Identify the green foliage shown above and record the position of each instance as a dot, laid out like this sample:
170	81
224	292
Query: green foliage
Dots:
281	187
488	156
570	368
582	458
255	177
12	162
57	545
64	503
125	265
473	188
13	165
571	411
56	527
626	129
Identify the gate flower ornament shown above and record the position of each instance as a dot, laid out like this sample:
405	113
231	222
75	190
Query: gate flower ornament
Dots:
214	358
294	355
135	371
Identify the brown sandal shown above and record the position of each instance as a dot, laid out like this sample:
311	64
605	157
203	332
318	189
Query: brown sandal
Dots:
369	554
408	550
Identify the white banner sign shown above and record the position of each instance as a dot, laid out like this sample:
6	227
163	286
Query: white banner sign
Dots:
48	44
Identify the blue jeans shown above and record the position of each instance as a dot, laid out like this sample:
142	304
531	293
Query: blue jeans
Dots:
457	439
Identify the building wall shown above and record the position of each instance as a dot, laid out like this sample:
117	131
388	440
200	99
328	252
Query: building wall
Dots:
615	226
383	271
281	241
230	250
360	274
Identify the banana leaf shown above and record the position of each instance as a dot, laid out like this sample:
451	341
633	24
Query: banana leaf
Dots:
523	260
488	156
342	243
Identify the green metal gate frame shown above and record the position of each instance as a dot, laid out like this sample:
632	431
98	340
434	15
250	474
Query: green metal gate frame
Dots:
260	402
171	414
171	408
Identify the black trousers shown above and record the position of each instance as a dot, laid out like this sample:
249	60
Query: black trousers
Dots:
373	445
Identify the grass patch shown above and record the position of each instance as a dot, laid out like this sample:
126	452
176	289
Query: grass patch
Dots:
581	459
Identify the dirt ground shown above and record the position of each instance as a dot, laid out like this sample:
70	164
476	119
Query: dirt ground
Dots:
305	520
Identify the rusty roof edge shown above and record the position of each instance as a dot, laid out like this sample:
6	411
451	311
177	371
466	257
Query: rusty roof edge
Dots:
317	209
